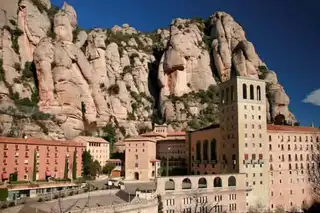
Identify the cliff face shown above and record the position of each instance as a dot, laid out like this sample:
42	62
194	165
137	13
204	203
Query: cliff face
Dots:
57	81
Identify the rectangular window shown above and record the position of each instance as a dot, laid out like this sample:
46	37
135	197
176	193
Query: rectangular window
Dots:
253	156
246	156
260	157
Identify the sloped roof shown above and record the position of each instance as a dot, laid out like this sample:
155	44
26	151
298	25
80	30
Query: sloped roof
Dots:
212	126
91	139
284	128
39	141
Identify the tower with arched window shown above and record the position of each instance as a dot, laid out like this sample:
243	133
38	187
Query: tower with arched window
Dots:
243	126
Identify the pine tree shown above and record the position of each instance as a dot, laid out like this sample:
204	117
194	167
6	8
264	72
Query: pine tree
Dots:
34	175
66	169
74	166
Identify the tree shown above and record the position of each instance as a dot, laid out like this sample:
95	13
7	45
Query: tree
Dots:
199	203
66	170
313	166
86	163
95	169
74	166
34	175
160	204
110	135
107	169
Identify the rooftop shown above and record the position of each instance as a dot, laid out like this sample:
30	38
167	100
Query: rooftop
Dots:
39	141
139	138
169	134
283	128
212	126
91	139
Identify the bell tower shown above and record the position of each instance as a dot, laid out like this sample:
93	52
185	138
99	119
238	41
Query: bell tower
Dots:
243	126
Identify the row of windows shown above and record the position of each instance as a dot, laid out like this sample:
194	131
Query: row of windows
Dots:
17	147
297	157
228	94
205	149
309	166
202	183
282	146
296	138
251	92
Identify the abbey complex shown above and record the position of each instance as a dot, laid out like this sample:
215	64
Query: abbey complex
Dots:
189	116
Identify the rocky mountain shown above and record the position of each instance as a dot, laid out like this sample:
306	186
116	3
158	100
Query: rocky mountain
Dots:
57	81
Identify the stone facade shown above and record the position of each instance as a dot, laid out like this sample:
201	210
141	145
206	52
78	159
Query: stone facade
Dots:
17	155
273	157
221	193
98	148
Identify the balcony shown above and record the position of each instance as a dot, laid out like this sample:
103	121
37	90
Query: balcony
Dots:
247	162
261	161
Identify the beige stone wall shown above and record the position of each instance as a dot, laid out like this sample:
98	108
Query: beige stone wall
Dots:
290	155
99	151
184	196
138	156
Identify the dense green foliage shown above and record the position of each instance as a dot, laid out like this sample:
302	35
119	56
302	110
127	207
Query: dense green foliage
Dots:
3	194
110	135
114	89
66	168
35	169
74	166
90	168
15	34
107	169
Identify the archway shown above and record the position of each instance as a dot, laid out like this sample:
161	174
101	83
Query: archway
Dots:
136	176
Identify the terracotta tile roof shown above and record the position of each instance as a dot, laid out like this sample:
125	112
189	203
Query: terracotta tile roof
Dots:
39	141
91	139
181	133
283	128
151	134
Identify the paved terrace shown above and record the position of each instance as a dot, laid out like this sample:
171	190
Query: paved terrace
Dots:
78	202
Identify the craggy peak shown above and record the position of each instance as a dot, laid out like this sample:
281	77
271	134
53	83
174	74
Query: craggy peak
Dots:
58	81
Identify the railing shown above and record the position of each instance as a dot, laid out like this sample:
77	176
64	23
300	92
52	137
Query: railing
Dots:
112	207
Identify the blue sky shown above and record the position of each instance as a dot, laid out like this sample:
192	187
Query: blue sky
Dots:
285	34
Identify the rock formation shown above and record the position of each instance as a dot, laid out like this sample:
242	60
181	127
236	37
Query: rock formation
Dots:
59	82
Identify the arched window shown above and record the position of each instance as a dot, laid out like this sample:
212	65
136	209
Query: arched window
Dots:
213	150
231	181
258	93
198	151
202	183
186	183
169	185
244	91
290	166
217	182
232	93
205	150
251	92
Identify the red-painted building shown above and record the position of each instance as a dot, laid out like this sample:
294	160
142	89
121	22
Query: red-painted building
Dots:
17	155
